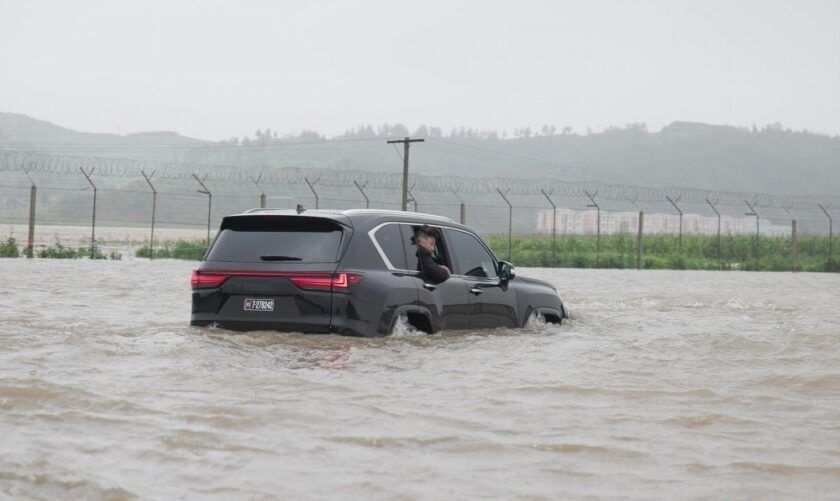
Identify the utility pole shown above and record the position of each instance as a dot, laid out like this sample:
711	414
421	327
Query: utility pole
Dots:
406	142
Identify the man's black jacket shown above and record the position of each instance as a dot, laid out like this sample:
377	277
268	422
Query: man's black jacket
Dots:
429	268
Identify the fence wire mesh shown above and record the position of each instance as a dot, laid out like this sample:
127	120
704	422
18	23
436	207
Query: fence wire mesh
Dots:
189	200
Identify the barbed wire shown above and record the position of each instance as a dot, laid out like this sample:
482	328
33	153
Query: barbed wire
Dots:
50	164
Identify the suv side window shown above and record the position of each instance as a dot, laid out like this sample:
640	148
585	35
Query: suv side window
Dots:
390	241
471	257
410	246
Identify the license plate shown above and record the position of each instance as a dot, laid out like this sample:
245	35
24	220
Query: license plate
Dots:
258	304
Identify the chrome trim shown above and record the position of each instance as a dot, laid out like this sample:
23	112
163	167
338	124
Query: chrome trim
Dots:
385	259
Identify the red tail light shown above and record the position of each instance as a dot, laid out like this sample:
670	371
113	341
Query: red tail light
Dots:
205	279
338	282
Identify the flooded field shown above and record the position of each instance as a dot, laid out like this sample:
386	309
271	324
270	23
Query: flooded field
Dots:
664	385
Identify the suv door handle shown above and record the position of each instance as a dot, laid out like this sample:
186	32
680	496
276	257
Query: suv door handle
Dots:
476	290
430	287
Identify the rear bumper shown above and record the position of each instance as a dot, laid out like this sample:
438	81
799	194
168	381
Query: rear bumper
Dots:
254	324
341	326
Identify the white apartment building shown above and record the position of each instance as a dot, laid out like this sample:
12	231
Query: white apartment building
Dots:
585	222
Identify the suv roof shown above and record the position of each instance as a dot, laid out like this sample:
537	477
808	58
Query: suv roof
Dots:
349	214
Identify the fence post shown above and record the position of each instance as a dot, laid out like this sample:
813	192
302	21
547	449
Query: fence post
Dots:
312	189
598	225
714	208
33	192
362	190
154	209
639	240
205	191
795	250
830	234
463	209
674	203
641	230
510	219
553	224
757	231
411	198
93	221
262	193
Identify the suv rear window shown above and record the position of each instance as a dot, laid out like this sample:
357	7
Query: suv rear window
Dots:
293	239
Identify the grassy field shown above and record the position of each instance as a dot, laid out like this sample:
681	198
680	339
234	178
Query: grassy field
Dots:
699	252
575	251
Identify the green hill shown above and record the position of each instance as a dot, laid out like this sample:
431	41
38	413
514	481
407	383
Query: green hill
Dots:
769	159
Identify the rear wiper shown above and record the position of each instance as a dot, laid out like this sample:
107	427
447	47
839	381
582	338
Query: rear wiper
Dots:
279	258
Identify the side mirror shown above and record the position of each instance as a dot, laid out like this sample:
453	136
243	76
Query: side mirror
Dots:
506	271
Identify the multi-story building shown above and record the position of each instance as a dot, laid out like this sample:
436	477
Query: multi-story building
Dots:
585	222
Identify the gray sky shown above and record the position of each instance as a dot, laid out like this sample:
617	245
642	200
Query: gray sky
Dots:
216	69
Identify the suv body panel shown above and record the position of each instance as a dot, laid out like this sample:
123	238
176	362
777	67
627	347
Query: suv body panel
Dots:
386	289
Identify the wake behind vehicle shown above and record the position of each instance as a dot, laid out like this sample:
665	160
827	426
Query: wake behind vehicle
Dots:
355	272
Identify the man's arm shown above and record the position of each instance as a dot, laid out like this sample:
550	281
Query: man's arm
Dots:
430	268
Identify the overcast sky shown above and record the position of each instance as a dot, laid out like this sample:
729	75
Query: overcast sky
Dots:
216	69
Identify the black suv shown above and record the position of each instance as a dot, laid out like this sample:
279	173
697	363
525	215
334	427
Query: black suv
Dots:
354	272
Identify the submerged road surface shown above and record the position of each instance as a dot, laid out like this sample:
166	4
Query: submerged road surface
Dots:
664	385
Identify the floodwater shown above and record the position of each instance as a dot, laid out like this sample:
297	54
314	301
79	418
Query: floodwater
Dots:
664	385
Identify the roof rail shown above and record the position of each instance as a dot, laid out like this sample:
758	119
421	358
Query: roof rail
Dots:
350	212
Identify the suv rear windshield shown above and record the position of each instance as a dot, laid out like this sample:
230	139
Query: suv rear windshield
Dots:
293	239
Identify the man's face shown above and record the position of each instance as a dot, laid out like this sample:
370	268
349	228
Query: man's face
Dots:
426	242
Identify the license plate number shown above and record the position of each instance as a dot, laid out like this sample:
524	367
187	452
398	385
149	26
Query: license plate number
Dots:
258	304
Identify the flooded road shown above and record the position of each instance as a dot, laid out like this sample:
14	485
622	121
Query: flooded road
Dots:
664	385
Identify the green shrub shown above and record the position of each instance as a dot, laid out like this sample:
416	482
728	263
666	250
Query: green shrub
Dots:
92	252
58	251
181	249
699	252
9	248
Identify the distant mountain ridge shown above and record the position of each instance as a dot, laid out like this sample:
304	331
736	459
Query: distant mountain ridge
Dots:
716	157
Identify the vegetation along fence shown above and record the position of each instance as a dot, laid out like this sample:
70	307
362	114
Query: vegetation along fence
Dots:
53	205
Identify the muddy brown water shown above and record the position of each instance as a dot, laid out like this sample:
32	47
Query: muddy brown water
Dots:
666	384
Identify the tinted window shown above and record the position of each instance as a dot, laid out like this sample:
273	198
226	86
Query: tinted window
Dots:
410	247
390	241
471	257
277	239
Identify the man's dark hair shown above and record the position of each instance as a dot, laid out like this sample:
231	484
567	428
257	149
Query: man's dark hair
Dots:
427	231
